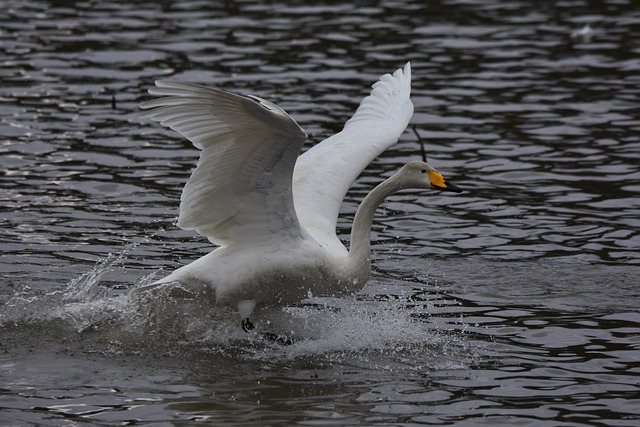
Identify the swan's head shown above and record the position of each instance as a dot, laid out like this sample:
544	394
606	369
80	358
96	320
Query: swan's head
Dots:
423	175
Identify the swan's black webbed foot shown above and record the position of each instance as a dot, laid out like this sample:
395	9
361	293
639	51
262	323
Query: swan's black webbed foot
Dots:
248	326
278	339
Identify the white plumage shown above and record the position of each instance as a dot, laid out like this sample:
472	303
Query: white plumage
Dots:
273	212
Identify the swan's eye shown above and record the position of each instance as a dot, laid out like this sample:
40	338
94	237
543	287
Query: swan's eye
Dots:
423	171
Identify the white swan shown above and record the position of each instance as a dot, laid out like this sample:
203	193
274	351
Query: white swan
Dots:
273	213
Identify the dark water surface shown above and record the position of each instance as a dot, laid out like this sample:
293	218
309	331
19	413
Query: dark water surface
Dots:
513	303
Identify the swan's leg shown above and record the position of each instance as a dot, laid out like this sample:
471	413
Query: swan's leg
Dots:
245	307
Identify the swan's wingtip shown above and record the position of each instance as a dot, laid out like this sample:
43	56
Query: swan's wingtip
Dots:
403	73
158	84
164	83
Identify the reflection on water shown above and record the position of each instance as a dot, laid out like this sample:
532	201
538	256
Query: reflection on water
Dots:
514	302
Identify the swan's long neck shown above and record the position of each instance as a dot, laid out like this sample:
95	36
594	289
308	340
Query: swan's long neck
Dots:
359	250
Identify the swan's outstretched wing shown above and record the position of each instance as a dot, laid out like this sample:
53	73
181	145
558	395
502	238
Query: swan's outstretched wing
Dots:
324	173
241	189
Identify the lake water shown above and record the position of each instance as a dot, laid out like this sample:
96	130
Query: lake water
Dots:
513	303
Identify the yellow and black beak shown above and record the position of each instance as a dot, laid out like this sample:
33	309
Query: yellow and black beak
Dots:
439	183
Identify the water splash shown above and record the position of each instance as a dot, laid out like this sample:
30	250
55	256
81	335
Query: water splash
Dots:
384	334
85	301
172	318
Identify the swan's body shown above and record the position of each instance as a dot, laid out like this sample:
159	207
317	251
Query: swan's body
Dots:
273	213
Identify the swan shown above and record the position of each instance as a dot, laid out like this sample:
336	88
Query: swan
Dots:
271	211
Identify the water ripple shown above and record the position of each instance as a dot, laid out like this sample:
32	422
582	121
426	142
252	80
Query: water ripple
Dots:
514	302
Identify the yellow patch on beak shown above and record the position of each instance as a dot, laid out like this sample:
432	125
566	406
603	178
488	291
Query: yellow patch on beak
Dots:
437	180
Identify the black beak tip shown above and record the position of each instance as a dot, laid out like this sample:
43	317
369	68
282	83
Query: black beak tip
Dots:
452	188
